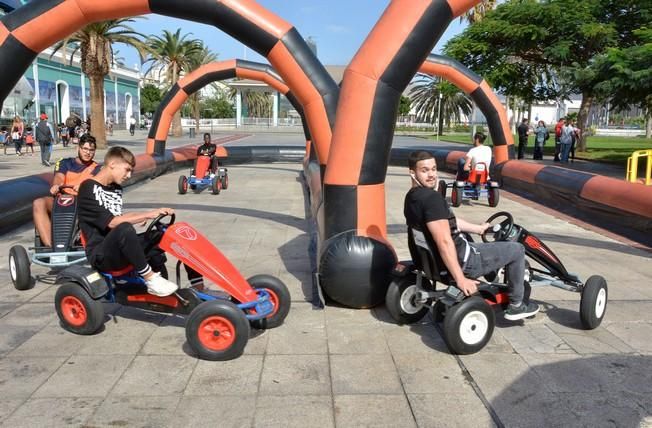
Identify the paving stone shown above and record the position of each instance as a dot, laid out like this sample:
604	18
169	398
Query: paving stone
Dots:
168	338
21	376
364	374
536	338
356	339
229	411
294	411
565	373
53	412
621	373
29	315
6	308
493	372
539	409
598	341
150	412
51	341
155	375
295	375
236	377
636	335
85	376
416	338
623	409
303	332
371	410
461	409
8	406
437	373
118	338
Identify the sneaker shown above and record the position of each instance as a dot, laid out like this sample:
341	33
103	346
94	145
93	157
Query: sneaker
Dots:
524	310
159	286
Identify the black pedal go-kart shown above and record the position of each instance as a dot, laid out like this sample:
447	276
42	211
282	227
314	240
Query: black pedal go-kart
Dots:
66	247
468	322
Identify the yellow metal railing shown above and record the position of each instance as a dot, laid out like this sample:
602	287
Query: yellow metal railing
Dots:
632	166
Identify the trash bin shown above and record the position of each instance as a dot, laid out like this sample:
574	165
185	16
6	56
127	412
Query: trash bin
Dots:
192	132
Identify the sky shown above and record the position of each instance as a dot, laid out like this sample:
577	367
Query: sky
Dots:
337	26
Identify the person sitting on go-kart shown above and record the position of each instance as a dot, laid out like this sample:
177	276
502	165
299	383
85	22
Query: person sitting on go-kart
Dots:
67	172
428	211
478	154
208	149
111	240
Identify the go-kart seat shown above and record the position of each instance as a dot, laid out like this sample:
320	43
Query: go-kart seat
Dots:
478	174
118	272
426	257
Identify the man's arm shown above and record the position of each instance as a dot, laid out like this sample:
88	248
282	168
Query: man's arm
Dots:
467	164
138	217
440	231
467	227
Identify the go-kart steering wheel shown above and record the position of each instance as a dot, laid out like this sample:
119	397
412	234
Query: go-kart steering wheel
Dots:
500	230
160	226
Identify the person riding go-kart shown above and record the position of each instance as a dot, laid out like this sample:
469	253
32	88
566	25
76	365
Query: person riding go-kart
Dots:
217	327
442	253
56	238
206	172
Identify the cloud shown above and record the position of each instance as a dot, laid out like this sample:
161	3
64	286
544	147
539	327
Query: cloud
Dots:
338	29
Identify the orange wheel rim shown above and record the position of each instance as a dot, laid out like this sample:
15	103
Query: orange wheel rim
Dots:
216	333
74	311
273	297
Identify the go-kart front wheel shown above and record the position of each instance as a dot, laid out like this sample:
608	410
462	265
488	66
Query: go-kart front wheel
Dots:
593	303
441	188
225	182
217	330
493	195
19	268
77	310
401	303
183	185
216	186
468	326
278	294
456	196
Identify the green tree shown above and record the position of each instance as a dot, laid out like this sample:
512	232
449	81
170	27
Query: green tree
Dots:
450	106
150	98
404	106
172	54
217	106
196	60
95	42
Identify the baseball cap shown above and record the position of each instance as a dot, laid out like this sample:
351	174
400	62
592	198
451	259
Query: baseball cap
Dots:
44	116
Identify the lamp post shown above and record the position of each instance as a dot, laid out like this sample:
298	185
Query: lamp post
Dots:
439	115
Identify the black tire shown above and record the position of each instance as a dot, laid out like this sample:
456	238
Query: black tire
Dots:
77	310
216	186
217	330
493	196
442	188
19	268
400	303
183	185
225	182
468	326
456	196
593	304
439	312
280	296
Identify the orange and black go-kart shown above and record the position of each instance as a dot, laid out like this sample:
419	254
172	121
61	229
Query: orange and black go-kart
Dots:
468	322
66	247
201	177
217	322
477	185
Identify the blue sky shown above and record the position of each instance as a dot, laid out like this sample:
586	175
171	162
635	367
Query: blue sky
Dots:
337	26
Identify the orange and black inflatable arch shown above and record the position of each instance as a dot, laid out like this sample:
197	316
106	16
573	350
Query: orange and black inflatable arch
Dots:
29	30
204	75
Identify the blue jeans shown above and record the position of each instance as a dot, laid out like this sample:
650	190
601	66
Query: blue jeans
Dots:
565	150
491	256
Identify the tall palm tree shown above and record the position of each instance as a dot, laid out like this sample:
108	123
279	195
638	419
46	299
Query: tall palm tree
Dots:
95	42
258	103
476	13
425	98
196	60
172	52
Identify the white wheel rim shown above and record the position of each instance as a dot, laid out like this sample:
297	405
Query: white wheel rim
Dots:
407	300
473	327
12	267
600	303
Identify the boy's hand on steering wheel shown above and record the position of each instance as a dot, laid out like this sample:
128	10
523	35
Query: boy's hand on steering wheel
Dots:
468	286
483	227
54	189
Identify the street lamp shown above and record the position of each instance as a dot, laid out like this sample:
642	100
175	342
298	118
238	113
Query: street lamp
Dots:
439	114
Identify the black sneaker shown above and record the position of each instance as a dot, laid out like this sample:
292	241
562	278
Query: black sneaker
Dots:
522	311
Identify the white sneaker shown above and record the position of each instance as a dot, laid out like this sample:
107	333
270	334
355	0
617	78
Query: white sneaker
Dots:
159	286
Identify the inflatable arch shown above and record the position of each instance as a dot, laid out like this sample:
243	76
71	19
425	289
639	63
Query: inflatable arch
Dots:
203	76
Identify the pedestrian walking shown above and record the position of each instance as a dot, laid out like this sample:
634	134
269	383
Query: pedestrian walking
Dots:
566	140
132	125
541	135
29	141
558	127
17	130
523	132
5	138
45	138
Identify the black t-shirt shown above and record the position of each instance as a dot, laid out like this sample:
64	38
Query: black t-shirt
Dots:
206	149
423	205
522	131
97	205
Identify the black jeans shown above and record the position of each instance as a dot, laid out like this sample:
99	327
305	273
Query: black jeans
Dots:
521	148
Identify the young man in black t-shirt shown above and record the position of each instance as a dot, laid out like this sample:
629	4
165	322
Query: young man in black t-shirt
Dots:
427	211
208	149
111	240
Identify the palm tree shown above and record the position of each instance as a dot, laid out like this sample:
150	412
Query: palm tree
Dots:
476	13
172	53
198	59
95	44
425	95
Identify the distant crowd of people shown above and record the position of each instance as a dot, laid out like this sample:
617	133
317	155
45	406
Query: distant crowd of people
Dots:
566	137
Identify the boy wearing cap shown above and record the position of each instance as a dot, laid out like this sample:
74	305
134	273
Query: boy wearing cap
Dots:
44	134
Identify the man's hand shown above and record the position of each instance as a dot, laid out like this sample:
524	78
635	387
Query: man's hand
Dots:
482	227
54	189
159	211
468	286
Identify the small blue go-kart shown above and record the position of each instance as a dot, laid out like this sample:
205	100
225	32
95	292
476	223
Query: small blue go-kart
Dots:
477	185
201	177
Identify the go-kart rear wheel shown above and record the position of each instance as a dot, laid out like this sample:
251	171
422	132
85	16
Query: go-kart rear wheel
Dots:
401	303
225	182
441	188
456	196
468	326
78	311
593	303
217	330
19	268
493	195
280	297
183	185
216	186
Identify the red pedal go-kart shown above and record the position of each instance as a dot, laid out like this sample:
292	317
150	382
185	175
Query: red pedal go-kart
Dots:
202	177
468	322
217	324
475	186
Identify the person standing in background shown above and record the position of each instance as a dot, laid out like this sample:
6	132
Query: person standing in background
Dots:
132	125
558	127
17	131
540	137
523	132
45	137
